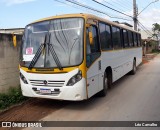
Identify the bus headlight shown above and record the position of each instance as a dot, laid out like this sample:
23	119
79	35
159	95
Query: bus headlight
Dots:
23	78
75	79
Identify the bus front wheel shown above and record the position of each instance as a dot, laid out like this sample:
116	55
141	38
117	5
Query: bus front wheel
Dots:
103	93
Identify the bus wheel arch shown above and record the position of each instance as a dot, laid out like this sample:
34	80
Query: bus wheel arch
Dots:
109	76
134	67
107	81
134	59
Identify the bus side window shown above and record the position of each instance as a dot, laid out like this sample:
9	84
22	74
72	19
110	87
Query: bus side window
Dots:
116	38
95	45
125	38
135	39
105	36
130	35
139	39
93	51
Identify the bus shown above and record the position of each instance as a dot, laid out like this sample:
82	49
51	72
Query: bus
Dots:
75	56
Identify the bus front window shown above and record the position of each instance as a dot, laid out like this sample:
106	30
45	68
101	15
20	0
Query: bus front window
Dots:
65	36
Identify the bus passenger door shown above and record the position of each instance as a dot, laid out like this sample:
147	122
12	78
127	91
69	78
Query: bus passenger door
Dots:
93	61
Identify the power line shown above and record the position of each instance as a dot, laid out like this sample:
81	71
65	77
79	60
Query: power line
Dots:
121	5
112	4
72	5
145	29
118	6
128	1
111	8
93	9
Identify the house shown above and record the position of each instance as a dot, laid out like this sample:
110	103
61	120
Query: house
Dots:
149	42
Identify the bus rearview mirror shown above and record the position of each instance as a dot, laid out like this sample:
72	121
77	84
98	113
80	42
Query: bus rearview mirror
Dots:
91	38
14	40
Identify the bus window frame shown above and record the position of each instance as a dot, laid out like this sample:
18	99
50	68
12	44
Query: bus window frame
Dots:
110	26
128	45
121	47
83	40
135	40
130	33
139	40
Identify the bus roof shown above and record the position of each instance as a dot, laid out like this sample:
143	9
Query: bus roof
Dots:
84	15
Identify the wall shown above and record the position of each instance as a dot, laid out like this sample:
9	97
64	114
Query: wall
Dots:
149	46
9	59
12	30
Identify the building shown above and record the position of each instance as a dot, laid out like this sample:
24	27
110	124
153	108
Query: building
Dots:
12	31
149	42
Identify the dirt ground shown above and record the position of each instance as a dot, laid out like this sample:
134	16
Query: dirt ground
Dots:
144	61
148	57
32	110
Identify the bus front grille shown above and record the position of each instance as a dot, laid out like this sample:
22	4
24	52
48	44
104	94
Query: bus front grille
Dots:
47	83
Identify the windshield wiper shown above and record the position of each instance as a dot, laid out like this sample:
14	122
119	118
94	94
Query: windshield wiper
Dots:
54	55
38	53
36	57
51	48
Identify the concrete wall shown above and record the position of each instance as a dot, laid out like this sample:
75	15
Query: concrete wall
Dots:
12	30
9	60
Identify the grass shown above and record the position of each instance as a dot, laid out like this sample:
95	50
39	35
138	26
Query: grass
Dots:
12	97
155	51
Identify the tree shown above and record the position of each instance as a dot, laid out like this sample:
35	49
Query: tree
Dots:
156	30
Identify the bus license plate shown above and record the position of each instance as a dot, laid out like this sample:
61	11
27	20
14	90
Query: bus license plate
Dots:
45	91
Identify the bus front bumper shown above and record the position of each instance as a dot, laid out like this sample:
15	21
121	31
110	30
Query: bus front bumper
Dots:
76	92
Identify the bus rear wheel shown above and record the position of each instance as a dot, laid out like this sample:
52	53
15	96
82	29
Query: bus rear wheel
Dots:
133	71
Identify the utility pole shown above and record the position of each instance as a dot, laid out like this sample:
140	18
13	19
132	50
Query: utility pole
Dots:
135	13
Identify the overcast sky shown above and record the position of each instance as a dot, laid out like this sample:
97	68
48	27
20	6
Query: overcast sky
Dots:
19	13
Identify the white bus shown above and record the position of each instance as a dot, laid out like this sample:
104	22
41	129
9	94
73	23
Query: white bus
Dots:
75	56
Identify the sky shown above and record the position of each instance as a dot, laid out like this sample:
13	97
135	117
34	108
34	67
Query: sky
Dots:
19	13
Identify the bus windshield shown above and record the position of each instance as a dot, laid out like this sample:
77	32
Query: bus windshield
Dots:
65	36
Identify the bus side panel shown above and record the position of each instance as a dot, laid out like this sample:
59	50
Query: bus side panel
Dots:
139	56
116	60
121	61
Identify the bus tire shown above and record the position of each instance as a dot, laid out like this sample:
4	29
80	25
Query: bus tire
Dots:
133	71
103	93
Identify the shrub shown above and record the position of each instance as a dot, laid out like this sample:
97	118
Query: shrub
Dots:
12	97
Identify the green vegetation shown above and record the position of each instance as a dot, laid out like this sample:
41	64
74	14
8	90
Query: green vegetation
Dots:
156	30
12	97
155	51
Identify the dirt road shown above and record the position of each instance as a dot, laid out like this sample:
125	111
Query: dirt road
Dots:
132	98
